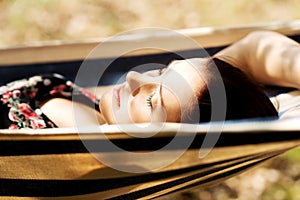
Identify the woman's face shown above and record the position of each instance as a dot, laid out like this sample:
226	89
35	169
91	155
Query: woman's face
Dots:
156	95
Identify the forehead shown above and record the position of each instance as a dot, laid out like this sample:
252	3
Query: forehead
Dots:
184	74
193	64
181	83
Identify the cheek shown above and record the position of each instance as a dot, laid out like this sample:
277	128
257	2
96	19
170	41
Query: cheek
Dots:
138	111
106	108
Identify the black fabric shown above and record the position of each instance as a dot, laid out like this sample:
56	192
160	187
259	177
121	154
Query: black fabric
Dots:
20	100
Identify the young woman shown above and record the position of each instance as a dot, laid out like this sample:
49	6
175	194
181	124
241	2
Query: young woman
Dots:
172	94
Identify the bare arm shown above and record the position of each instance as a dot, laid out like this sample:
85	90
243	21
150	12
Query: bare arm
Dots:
61	112
268	57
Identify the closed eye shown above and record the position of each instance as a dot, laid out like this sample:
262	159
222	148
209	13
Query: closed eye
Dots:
149	100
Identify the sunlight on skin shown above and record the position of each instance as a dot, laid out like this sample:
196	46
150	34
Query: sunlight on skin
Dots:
180	82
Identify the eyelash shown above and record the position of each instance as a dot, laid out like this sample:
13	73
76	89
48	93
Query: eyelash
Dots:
149	99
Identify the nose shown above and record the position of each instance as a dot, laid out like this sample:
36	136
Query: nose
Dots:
135	80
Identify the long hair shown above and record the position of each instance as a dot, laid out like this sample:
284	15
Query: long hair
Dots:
245	98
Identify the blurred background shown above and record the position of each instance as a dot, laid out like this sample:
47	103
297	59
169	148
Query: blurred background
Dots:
39	20
29	21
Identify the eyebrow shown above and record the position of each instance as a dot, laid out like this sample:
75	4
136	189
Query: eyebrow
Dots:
161	71
160	94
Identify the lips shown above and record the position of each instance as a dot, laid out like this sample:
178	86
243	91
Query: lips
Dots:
116	94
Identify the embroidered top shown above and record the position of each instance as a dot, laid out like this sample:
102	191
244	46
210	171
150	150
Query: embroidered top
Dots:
19	106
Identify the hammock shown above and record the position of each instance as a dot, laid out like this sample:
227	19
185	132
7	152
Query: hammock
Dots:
60	163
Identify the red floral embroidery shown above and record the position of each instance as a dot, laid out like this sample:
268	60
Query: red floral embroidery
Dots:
12	127
37	123
27	111
60	90
12	115
21	114
88	94
20	100
6	97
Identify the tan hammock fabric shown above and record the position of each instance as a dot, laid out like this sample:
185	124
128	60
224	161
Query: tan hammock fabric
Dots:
55	163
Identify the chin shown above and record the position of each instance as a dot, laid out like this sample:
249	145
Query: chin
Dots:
106	107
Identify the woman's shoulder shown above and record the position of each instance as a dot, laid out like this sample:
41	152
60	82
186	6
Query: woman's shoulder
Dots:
288	104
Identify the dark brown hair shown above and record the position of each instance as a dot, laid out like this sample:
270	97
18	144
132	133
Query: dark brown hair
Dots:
245	98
